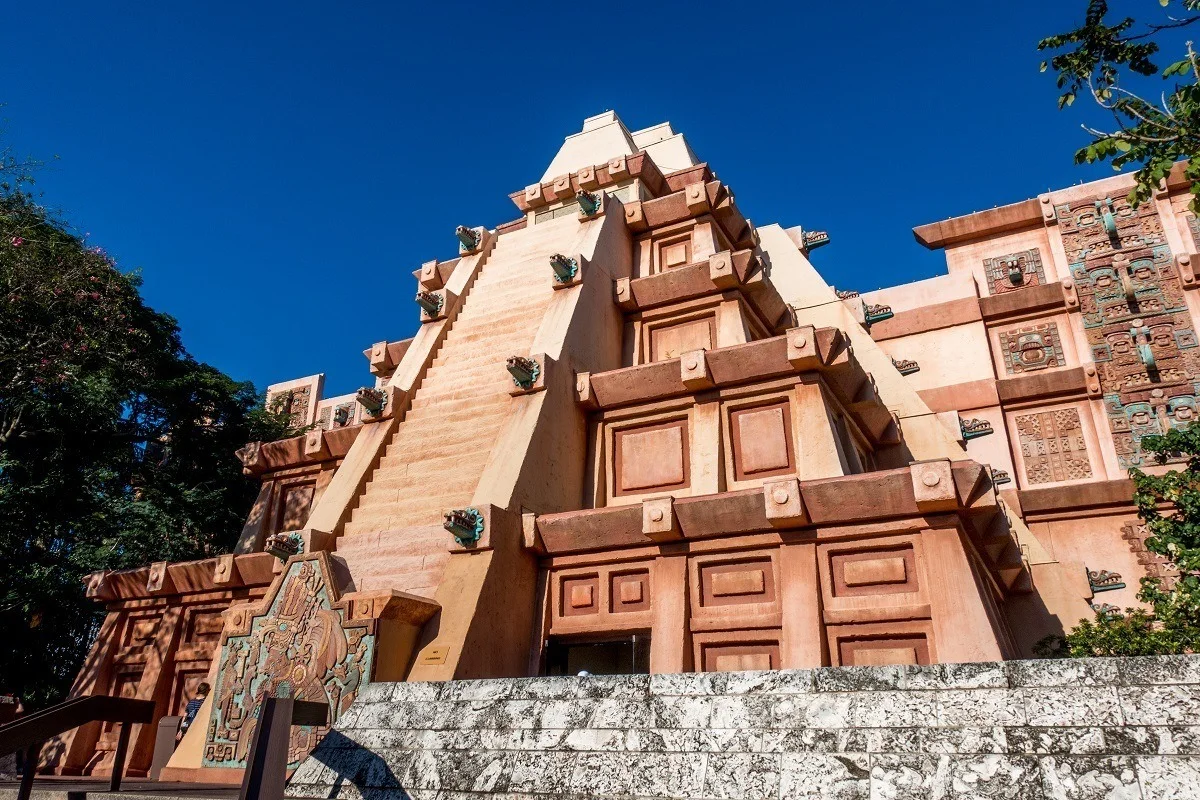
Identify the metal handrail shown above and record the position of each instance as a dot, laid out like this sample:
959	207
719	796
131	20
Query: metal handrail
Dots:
30	732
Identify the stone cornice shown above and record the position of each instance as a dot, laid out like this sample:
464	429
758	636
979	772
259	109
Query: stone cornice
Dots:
616	170
825	351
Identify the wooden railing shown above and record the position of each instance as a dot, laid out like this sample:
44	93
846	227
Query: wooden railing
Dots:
29	733
266	764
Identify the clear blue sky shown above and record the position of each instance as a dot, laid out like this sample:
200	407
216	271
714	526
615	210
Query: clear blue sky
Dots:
277	170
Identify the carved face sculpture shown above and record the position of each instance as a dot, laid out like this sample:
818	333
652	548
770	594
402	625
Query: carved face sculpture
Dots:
1143	269
1087	216
1141	417
1182	410
1103	278
1162	337
1120	343
1031	349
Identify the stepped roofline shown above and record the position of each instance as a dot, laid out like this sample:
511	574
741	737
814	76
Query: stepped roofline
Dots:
604	136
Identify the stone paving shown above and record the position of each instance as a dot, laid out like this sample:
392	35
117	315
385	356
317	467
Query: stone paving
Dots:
1077	729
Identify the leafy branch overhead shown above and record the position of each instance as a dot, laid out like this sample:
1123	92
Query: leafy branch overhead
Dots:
117	448
1113	62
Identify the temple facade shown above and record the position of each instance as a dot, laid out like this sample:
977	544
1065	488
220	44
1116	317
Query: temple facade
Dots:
635	432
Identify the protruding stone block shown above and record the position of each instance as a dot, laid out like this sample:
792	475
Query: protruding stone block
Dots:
586	178
583	390
1092	380
1069	296
1187	271
635	219
693	370
430	277
802	350
530	538
252	458
933	485
315	541
97	586
159	580
1049	216
696	198
783	504
315	446
721	271
534	195
381	359
623	294
658	519
562	187
618	168
226	570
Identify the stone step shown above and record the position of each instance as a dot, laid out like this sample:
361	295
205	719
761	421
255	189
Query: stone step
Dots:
395	497
407	470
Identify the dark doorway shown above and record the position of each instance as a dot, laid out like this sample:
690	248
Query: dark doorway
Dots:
627	655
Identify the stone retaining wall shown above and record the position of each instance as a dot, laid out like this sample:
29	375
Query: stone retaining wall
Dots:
1080	729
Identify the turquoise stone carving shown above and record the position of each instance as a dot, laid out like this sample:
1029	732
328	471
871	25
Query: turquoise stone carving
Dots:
372	400
1104	581
466	524
589	203
974	428
524	371
876	313
430	302
468	238
565	269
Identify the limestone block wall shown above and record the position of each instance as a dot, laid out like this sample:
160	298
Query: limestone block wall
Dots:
1096	728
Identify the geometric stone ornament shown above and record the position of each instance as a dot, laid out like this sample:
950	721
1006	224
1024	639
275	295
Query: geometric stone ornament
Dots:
1053	446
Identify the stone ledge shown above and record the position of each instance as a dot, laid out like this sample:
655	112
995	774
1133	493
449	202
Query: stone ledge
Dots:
1028	729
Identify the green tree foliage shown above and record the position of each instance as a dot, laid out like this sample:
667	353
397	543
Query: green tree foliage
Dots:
116	446
1169	504
1111	61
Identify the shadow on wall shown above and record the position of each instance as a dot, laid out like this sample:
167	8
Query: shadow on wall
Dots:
338	761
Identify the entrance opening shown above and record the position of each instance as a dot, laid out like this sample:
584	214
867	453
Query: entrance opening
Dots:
627	655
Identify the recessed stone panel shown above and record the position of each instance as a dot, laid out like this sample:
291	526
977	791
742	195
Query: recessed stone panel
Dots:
651	458
673	340
762	441
580	595
630	591
870	572
740	656
294	503
735	583
879	650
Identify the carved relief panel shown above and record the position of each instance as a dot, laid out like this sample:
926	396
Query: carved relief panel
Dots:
300	641
1156	566
1053	447
1031	347
1135	317
1014	271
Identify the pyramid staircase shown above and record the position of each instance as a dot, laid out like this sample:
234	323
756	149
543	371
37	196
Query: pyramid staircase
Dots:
436	456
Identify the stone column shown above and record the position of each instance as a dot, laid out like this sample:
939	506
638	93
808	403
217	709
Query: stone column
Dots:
803	640
669	640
